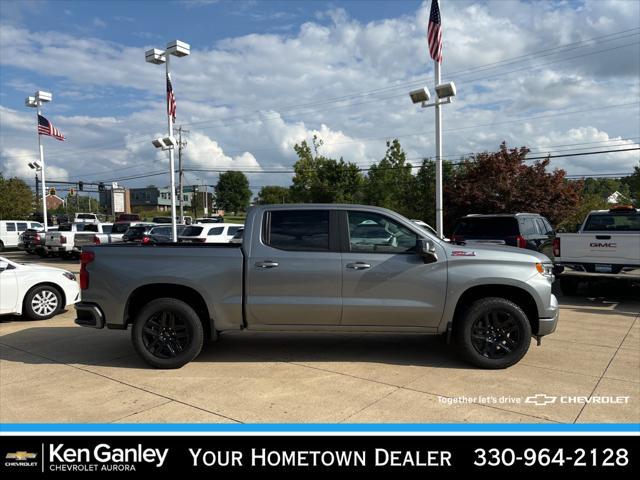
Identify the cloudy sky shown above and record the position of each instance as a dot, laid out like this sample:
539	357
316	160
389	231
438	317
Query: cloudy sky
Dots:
556	76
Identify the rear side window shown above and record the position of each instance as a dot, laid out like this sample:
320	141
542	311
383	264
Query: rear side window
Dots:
215	231
528	226
487	227
11	227
233	230
120	227
298	230
107	228
192	231
614	222
22	226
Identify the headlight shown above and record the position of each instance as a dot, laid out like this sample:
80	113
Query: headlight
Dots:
70	276
545	269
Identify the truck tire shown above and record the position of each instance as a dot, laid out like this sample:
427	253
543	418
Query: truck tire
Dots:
569	286
42	302
1	246
167	333
493	333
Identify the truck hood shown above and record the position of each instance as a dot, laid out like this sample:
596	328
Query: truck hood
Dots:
499	252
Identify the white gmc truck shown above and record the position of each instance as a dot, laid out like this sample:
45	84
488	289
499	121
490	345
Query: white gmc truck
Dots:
607	245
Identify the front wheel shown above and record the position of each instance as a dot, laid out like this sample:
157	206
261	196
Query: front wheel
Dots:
42	302
167	333
493	333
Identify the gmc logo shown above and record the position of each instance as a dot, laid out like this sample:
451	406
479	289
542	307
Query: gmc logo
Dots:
603	245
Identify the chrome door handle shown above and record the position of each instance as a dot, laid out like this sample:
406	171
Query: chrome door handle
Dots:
358	266
267	264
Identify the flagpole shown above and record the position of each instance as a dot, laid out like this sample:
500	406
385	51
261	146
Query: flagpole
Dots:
174	227
439	199
41	148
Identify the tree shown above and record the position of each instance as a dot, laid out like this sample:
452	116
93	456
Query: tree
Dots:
16	199
633	184
390	181
501	182
273	194
232	191
319	179
422	198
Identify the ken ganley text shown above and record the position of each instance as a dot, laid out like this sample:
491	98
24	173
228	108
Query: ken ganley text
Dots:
262	457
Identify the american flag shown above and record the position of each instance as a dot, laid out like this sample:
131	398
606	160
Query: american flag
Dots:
46	128
434	32
171	100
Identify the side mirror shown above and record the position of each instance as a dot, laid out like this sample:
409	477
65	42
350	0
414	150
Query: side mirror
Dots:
427	250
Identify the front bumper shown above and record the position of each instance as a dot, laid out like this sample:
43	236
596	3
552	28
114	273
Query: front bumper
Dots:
89	315
548	325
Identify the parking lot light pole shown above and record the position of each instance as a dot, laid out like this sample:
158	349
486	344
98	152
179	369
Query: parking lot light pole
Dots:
36	102
444	93
178	49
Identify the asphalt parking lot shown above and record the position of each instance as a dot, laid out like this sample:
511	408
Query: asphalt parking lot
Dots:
55	371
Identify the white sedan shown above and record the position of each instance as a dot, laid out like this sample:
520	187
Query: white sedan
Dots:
37	291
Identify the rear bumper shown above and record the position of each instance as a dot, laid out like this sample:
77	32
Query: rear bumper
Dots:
630	272
89	315
548	325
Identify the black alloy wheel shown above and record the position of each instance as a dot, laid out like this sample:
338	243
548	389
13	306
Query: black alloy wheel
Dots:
166	335
495	334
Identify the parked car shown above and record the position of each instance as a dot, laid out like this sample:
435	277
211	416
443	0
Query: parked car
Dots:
135	232
37	291
32	240
93	234
86	217
128	217
607	245
120	228
523	230
299	269
10	231
160	234
61	241
204	233
216	219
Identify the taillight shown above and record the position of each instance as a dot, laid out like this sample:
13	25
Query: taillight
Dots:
457	239
36	238
85	259
96	240
556	247
146	240
521	242
63	239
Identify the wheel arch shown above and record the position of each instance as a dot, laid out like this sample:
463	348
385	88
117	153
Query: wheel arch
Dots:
517	295
146	293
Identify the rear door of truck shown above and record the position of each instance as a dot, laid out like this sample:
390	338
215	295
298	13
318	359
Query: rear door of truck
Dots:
293	276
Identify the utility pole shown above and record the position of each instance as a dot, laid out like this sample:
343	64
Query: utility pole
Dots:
181	145
37	194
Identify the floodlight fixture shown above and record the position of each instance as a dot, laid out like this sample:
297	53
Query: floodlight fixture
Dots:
43	97
446	90
178	48
155	56
30	102
421	95
165	143
35	165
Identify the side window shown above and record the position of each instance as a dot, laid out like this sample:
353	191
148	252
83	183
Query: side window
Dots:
11	227
216	231
106	228
22	226
299	230
528	227
375	233
547	225
233	230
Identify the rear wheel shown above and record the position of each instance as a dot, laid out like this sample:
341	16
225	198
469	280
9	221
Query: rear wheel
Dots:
167	333
42	302
1	246
493	333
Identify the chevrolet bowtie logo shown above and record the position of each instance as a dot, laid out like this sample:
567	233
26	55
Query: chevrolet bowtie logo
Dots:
540	399
21	456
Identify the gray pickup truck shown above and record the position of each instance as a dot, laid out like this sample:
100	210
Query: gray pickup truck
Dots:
345	268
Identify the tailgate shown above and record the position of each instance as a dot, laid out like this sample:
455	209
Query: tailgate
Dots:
53	239
609	248
83	239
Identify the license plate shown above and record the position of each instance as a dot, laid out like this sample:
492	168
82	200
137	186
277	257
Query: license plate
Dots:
602	268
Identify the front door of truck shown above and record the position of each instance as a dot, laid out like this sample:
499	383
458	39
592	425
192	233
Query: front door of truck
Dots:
294	273
384	281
